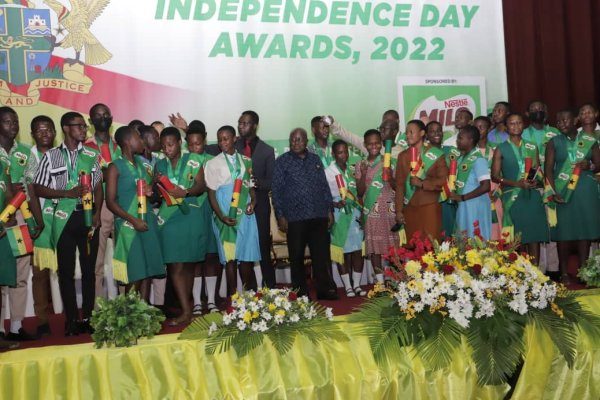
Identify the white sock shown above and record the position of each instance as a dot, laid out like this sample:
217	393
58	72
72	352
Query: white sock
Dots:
346	280
15	326
211	286
197	289
379	278
356	277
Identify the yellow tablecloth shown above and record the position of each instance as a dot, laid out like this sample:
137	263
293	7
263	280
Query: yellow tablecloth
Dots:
165	368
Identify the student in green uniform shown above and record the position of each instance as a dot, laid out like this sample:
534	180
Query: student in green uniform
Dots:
8	264
181	224
576	197
588	119
538	131
137	255
208	269
524	212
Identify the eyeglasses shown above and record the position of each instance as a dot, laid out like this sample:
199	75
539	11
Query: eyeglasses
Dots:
80	126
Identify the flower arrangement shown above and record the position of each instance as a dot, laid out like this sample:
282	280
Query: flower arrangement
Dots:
123	320
278	314
590	271
438	293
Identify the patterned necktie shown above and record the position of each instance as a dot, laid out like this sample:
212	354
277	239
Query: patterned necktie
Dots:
247	149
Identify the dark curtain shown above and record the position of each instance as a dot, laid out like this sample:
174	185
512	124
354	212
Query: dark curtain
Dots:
552	52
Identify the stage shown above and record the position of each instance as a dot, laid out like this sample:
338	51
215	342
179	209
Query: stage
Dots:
167	368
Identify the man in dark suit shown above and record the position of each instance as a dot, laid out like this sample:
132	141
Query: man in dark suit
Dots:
263	158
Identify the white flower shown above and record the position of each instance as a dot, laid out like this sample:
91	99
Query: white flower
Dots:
294	318
266	316
227	319
278	319
329	313
213	328
445	246
241	325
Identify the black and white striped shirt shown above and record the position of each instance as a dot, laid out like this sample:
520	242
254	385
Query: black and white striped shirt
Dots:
52	170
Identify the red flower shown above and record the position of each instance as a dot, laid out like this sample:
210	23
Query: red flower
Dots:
448	269
292	296
388	272
423	265
477	269
230	310
513	257
258	295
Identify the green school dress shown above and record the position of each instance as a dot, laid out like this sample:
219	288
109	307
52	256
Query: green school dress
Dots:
579	219
527	212
145	257
183	237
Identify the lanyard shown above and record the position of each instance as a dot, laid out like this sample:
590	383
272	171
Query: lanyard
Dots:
518	151
72	169
174	174
235	168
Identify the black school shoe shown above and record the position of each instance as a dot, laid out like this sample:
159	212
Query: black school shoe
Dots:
43	330
328	295
21	336
72	328
85	327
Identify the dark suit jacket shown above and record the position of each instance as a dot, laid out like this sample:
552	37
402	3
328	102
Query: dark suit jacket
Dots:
263	158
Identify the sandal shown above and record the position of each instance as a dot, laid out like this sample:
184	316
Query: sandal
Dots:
212	308
360	291
197	310
350	293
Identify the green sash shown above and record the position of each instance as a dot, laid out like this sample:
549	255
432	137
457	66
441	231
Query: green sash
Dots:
451	153
428	158
577	150
465	165
55	215
228	234
401	141
204	157
126	232
325	155
339	230
565	182
549	133
374	190
184	174
527	149
17	162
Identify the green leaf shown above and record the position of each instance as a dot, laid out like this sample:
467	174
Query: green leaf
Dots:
282	338
498	346
199	327
221	341
246	341
437	348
